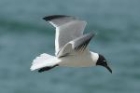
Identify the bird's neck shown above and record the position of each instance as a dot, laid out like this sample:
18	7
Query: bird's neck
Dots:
94	56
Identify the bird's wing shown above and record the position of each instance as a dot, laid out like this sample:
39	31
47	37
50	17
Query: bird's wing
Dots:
78	45
67	28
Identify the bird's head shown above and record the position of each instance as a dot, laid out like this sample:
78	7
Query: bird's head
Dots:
103	62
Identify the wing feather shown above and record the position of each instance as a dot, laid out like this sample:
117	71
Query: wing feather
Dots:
67	29
77	45
58	20
82	42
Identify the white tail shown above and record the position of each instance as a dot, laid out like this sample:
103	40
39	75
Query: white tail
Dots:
44	60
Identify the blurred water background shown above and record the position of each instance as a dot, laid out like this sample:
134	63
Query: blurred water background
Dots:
24	35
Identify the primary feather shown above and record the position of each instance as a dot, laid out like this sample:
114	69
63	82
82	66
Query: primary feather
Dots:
67	29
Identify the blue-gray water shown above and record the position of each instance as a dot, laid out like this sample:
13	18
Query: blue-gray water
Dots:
24	35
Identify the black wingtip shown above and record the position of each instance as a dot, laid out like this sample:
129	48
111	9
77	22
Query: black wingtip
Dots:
52	17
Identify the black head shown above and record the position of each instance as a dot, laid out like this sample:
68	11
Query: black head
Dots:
102	62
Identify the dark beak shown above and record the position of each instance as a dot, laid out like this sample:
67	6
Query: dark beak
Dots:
109	69
102	62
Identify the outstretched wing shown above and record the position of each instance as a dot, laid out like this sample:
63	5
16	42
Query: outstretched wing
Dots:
78	45
67	29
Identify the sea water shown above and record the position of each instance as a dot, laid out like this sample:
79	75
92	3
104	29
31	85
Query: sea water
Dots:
24	35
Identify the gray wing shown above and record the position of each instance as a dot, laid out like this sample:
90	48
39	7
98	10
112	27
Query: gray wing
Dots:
77	45
80	44
67	29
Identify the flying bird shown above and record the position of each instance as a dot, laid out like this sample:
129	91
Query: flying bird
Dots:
70	46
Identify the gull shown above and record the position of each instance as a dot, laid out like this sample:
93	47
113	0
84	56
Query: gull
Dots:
70	46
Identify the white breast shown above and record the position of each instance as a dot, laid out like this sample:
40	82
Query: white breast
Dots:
81	60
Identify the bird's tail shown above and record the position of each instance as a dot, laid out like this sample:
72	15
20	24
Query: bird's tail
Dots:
43	61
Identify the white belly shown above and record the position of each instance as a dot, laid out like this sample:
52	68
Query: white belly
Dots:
82	60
